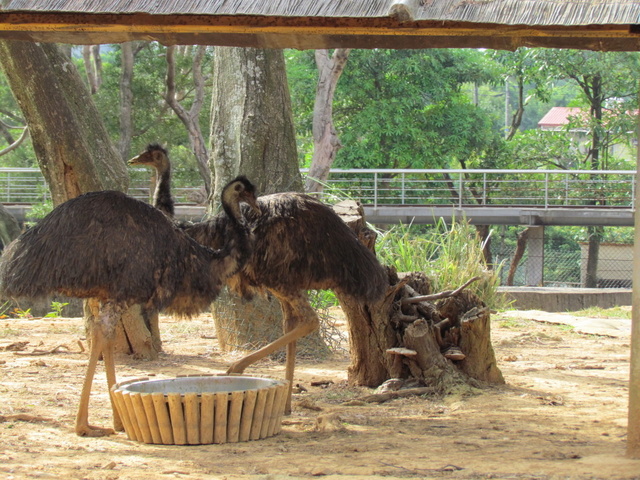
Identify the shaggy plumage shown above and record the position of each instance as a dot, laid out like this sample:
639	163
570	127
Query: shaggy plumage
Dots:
299	244
118	251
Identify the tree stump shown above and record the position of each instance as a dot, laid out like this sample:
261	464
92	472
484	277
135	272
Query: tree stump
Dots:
137	333
442	344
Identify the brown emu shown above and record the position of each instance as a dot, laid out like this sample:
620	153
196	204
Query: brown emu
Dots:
299	244
117	251
157	157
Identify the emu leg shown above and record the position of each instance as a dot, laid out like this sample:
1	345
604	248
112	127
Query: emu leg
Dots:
101	343
300	320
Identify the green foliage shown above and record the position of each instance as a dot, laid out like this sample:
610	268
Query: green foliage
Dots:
448	255
597	312
57	309
398	108
19	313
4	308
39	211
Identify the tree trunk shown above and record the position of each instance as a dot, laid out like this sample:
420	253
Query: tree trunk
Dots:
252	134
593	252
484	233
74	159
9	227
521	246
191	118
251	121
325	137
594	233
126	100
443	345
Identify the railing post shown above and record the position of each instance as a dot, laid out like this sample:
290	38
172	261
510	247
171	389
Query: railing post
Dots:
633	189
460	190
484	188
375	190
402	200
546	190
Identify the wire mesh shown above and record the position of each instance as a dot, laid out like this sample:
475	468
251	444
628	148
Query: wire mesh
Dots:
567	268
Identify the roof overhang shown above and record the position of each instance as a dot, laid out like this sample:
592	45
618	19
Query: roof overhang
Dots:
307	32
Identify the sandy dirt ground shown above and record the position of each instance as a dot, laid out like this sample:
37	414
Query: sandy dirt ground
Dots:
561	415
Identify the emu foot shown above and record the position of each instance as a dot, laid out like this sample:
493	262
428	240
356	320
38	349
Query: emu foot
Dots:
92	431
236	367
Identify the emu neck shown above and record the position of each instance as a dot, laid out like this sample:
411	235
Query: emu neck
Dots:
232	209
162	198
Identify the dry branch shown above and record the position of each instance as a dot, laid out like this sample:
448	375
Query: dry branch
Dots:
44	352
385	397
438	296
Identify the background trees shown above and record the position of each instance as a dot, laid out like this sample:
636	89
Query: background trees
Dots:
413	108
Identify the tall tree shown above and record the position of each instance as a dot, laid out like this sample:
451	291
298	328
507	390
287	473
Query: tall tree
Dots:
191	117
252	134
407	108
326	142
71	143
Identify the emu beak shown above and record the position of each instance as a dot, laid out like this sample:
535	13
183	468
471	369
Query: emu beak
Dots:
253	203
134	160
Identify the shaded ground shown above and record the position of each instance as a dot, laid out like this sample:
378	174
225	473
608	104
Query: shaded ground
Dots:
562	414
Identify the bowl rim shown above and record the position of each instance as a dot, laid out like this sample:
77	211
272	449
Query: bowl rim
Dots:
124	386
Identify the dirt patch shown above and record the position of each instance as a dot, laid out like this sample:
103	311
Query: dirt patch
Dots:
562	414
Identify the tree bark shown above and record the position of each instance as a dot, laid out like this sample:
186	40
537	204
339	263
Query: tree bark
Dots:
325	137
521	246
252	134
251	121
9	227
445	345
593	252
71	143
190	118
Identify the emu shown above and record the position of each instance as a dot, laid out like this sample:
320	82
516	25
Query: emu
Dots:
300	244
116	251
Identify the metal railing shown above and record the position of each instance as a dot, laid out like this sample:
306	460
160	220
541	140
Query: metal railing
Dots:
539	188
462	188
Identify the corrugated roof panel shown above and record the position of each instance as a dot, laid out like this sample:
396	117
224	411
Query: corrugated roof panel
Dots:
532	12
287	8
558	116
505	12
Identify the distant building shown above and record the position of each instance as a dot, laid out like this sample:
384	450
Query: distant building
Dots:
557	120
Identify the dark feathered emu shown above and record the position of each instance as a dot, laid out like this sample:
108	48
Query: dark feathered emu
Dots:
117	251
299	244
157	157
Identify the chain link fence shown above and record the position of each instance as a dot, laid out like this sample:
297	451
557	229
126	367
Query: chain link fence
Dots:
567	268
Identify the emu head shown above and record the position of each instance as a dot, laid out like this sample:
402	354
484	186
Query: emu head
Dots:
237	191
153	156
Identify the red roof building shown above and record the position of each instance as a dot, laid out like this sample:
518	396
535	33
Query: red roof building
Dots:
557	118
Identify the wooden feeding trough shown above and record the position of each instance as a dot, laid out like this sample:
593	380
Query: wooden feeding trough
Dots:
200	410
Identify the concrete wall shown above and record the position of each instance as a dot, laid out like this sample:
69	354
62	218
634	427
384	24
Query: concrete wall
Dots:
566	299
